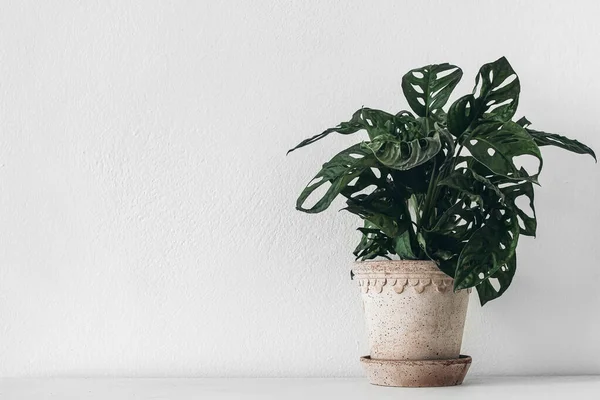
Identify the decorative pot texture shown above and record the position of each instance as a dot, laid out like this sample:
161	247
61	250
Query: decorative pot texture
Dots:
411	310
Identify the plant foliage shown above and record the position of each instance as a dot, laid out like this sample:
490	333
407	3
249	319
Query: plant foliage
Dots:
442	186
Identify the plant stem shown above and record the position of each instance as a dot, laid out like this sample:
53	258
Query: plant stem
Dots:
428	197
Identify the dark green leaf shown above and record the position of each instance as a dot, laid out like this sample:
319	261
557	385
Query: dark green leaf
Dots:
527	223
488	249
417	200
524	122
496	146
458	221
472	184
494	99
552	139
404	246
373	243
427	89
339	172
401	155
504	277
380	210
373	121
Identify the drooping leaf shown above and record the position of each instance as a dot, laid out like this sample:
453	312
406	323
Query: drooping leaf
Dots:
339	172
428	88
488	249
496	146
552	139
504	277
494	99
373	121
402	155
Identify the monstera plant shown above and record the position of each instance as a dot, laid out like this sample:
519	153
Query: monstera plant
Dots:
442	185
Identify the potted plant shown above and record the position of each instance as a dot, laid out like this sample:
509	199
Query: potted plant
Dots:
442	192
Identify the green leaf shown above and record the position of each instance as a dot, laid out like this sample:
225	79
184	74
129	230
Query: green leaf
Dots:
524	122
404	247
508	194
447	144
527	223
380	210
494	99
371	120
504	276
460	115
428	88
401	155
495	147
488	249
409	187
339	171
458	221
472	184
373	243
552	139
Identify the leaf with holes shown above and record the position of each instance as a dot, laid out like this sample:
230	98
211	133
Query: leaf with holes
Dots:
502	276
428	88
494	99
552	139
507	191
488	249
455	187
473	185
339	172
496	147
514	191
458	221
402	155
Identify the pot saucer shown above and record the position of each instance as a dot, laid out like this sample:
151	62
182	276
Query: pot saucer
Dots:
416	373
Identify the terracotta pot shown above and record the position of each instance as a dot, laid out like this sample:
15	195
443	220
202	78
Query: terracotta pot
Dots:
412	314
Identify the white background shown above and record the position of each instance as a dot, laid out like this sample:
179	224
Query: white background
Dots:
147	222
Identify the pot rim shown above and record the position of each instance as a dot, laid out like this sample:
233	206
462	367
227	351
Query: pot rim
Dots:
387	267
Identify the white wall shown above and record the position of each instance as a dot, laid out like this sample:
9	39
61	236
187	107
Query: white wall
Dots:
147	222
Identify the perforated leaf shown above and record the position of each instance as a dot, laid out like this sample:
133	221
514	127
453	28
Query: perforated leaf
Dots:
401	155
494	99
339	172
503	277
428	88
456	188
527	221
496	147
488	249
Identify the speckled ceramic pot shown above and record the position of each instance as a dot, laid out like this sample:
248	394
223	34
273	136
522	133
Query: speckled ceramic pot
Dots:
411	310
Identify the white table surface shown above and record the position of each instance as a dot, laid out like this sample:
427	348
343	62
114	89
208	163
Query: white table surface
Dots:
488	388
